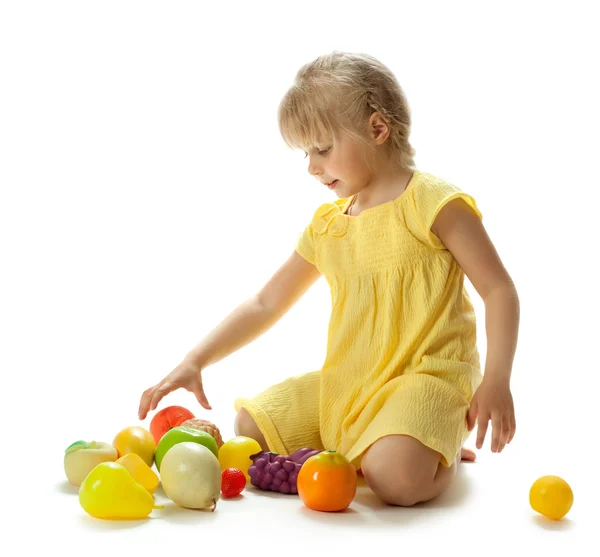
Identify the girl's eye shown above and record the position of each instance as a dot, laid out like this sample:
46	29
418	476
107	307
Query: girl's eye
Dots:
321	153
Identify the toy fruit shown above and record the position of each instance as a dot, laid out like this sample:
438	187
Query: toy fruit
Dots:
191	476
327	482
233	482
207	426
182	434
551	496
138	440
110	491
81	457
167	419
236	453
140	471
273	472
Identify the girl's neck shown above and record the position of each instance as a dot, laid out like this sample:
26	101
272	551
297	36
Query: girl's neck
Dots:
383	187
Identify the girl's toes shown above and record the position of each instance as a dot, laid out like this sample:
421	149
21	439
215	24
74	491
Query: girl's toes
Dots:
467	455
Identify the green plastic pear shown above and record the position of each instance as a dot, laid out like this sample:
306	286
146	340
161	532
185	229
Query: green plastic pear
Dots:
109	491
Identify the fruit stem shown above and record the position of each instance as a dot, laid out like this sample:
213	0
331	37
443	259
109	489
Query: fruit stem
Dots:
158	507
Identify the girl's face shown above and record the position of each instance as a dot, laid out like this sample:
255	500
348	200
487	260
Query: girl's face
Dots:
343	162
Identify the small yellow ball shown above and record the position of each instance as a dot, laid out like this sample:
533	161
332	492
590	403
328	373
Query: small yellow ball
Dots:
551	496
236	453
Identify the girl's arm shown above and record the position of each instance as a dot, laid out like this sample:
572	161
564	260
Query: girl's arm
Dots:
464	235
243	325
462	232
258	314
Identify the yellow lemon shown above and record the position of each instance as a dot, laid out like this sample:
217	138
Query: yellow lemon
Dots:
551	496
236	452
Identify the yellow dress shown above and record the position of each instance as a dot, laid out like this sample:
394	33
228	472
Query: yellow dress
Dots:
401	353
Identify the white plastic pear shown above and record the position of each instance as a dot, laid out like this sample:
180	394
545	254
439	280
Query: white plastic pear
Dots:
191	476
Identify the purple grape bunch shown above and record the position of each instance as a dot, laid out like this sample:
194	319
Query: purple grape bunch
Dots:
274	472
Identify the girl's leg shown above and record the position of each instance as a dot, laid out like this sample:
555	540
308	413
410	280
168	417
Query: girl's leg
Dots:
245	425
402	471
284	417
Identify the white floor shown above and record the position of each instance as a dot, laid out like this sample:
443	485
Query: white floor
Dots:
486	511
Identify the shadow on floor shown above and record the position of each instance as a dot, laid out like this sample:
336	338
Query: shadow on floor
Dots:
365	510
368	510
171	512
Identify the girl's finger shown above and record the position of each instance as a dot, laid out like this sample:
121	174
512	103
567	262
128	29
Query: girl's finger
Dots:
144	402
482	424
496	431
513	427
504	436
201	397
472	415
159	393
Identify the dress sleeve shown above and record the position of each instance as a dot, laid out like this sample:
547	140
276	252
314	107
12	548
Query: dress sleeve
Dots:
428	199
305	244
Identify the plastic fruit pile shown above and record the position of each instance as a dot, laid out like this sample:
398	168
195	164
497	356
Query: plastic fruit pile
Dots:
196	468
183	453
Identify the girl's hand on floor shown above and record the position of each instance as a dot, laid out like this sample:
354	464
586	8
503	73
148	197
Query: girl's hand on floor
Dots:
493	401
187	375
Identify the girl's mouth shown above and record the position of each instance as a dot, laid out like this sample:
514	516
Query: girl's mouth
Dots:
332	184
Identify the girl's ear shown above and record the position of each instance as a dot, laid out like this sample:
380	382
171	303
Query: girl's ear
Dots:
379	129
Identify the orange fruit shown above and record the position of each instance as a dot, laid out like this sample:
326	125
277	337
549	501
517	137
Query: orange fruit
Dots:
551	496
168	418
327	482
138	440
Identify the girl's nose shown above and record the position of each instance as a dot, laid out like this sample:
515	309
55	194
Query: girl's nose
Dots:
314	169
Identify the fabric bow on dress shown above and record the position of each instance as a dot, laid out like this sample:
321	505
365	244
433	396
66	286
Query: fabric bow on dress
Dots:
329	219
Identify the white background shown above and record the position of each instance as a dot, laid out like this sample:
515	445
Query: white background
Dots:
146	192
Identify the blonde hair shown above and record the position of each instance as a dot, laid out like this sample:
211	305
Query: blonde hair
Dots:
340	91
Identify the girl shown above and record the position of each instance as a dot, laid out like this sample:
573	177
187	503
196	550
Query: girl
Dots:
401	387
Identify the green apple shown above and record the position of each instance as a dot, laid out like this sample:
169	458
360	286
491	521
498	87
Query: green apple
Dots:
180	434
81	457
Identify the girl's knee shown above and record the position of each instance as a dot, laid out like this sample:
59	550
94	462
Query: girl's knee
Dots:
393	485
246	426
399	471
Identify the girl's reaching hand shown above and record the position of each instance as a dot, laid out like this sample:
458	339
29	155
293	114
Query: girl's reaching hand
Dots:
187	375
493	401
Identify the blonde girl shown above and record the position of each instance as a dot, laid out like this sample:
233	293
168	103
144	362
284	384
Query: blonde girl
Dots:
401	387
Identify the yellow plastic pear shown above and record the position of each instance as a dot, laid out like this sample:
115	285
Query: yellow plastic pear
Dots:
140	471
110	491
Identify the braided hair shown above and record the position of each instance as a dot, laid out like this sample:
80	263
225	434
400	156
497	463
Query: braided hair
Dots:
340	91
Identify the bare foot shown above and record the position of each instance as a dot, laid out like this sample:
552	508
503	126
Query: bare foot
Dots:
467	455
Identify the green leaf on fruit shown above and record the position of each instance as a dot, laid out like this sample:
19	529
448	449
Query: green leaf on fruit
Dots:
76	446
